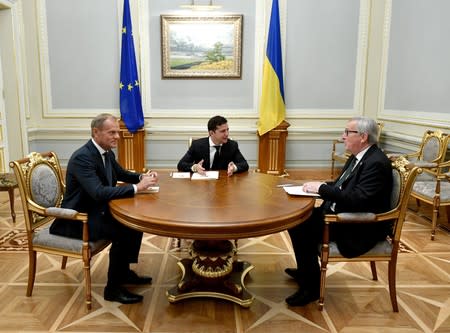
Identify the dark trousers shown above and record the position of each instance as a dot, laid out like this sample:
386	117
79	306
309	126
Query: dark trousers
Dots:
305	239
125	247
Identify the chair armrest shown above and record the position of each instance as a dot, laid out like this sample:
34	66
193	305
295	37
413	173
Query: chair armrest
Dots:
424	164
65	213
394	155
70	214
351	218
416	154
444	164
361	217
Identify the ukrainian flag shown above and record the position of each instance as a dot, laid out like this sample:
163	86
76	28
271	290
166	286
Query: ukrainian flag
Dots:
272	108
130	94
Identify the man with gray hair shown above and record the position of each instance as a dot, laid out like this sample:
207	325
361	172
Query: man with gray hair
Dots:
91	178
364	185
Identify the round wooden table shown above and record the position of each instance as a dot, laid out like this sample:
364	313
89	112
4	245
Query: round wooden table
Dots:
245	205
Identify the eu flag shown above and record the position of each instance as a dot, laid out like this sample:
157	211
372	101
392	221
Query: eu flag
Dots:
272	107
130	95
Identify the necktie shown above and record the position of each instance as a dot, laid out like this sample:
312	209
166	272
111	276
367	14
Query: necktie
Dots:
346	172
215	164
108	169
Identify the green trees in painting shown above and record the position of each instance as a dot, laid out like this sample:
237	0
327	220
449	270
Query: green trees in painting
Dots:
216	54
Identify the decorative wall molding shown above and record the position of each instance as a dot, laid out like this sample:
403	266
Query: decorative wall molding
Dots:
384	54
361	57
439	120
44	59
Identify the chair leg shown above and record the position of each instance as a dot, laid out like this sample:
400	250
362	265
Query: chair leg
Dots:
373	268
323	276
11	204
87	279
434	221
178	242
332	168
392	283
64	262
31	271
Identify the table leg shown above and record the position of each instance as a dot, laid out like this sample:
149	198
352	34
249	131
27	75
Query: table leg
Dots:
212	272
446	224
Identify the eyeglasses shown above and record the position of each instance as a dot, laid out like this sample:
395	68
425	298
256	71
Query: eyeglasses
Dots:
347	131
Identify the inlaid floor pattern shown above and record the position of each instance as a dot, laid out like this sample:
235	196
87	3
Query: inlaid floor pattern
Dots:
353	303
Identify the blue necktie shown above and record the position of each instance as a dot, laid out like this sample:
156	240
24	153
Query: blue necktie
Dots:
108	169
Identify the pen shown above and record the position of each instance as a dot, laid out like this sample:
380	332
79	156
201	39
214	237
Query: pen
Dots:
283	185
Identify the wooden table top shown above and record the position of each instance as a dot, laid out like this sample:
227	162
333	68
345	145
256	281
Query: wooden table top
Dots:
245	205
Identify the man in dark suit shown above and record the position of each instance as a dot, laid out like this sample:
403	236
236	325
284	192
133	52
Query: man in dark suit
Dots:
364	185
91	177
215	152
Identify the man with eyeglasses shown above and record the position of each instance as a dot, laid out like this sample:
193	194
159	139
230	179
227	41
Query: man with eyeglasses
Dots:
364	185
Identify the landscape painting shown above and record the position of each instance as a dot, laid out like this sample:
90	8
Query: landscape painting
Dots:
201	47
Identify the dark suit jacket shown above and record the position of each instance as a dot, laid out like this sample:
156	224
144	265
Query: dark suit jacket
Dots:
87	191
367	189
199	150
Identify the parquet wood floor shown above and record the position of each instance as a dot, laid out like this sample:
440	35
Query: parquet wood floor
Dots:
354	303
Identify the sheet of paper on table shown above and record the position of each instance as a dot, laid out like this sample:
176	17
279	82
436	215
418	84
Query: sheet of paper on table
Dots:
151	189
298	190
208	175
181	175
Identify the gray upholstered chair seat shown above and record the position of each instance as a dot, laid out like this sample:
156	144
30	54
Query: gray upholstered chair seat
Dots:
43	237
428	189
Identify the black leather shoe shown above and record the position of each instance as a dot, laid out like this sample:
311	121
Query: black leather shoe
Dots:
133	278
121	295
292	272
303	297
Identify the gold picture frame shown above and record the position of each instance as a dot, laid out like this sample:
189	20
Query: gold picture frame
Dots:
201	47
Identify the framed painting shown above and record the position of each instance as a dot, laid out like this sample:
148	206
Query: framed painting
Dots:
199	47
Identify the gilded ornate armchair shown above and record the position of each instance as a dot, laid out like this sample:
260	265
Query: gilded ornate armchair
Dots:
404	175
41	187
432	186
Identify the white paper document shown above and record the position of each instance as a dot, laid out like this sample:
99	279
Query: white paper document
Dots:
181	175
151	189
298	190
207	175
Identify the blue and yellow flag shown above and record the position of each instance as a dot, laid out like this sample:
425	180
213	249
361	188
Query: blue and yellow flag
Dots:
130	94
272	108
